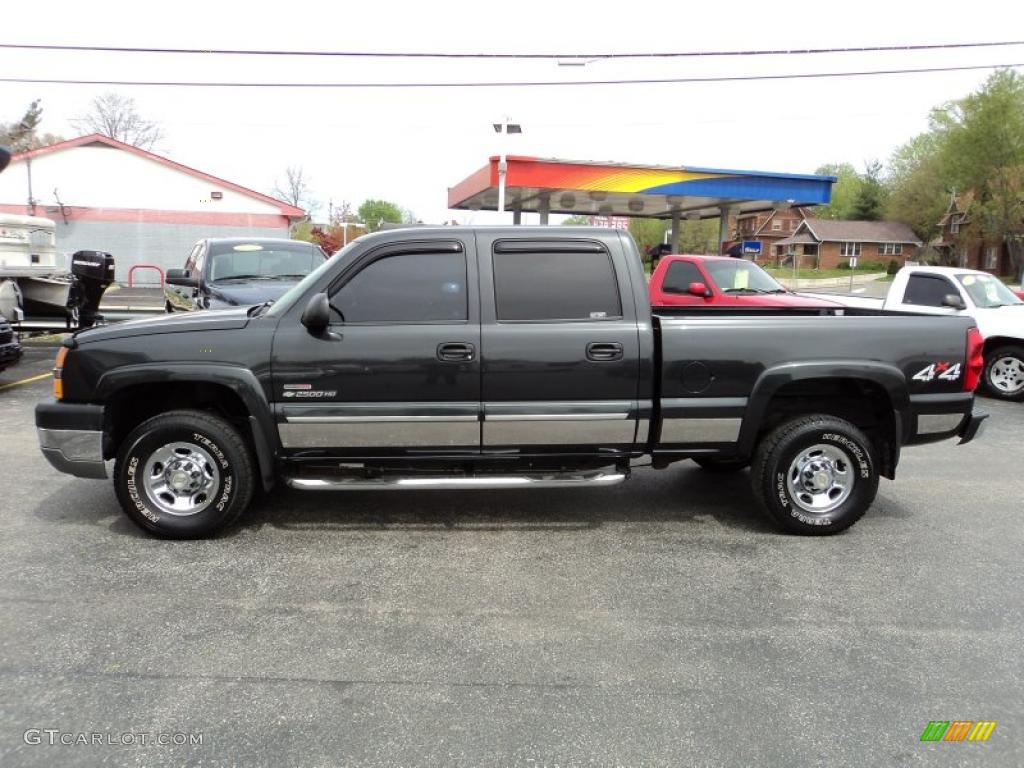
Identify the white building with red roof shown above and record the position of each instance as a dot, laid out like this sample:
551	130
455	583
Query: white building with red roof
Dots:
143	208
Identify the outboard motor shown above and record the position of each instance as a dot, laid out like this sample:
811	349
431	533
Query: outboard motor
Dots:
93	272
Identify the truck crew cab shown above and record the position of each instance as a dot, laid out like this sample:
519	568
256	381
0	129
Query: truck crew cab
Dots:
501	357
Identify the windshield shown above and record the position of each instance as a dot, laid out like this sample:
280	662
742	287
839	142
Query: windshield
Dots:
987	291
739	276
262	261
284	303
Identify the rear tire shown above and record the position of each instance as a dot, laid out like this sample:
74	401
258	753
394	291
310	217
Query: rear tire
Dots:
184	475
1004	372
815	475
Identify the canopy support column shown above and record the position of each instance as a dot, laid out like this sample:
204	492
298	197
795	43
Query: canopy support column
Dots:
517	213
544	209
723	226
677	221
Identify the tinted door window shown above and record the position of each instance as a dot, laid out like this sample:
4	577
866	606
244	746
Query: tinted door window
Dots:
927	290
544	285
679	276
406	288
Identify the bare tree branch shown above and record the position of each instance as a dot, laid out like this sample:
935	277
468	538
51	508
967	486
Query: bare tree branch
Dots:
115	116
295	190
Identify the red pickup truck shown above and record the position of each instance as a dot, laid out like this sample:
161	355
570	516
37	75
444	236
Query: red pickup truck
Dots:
681	280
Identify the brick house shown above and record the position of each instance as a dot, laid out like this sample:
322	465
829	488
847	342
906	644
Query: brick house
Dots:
768	227
832	242
958	245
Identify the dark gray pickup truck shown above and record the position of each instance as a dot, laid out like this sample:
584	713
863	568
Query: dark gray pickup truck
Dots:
508	357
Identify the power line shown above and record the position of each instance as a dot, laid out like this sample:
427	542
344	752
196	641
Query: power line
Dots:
524	56
506	83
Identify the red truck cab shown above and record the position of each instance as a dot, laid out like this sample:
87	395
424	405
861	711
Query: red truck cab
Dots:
684	280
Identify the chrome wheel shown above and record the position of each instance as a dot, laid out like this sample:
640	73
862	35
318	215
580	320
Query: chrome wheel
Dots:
1006	375
820	478
180	478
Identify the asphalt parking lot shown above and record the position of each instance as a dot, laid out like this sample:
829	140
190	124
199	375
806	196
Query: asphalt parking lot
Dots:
661	622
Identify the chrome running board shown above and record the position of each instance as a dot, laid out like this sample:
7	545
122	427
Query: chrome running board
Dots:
470	482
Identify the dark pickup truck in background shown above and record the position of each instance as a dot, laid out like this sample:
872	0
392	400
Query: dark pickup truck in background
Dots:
503	357
238	272
10	347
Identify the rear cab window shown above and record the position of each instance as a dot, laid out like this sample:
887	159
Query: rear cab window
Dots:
534	283
928	290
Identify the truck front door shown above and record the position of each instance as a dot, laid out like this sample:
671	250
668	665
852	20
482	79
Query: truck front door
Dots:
398	370
561	350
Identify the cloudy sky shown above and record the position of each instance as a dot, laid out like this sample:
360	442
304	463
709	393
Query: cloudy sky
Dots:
409	145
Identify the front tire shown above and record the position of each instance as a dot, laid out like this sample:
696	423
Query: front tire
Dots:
184	475
815	475
1004	372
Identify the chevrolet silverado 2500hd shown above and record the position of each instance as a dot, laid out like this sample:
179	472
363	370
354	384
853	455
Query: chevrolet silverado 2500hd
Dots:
505	357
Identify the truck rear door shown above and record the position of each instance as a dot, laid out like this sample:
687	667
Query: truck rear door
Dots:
560	347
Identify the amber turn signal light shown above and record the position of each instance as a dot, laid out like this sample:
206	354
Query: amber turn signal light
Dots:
58	373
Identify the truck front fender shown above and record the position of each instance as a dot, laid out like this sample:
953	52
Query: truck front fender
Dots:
238	379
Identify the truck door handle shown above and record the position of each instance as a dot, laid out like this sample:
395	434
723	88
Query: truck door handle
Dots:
604	351
455	352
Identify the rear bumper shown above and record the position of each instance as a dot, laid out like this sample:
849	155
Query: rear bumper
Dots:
71	438
971	427
942	417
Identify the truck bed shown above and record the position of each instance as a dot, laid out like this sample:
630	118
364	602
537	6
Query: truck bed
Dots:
720	369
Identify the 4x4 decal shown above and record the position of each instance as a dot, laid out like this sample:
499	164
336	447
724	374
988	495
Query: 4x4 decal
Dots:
941	370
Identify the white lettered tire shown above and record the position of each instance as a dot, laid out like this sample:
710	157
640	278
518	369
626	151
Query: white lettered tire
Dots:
184	474
815	475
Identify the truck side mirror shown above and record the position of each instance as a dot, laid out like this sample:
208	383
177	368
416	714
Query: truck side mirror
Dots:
317	314
699	289
181	277
953	301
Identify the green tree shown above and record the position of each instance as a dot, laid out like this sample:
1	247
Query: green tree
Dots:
844	192
22	135
579	220
869	204
648	233
980	140
303	231
917	194
699	237
376	212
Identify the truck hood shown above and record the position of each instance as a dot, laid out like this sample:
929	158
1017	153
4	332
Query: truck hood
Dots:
246	294
1001	321
217	320
787	300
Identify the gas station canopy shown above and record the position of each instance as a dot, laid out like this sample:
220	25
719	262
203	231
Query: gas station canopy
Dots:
611	189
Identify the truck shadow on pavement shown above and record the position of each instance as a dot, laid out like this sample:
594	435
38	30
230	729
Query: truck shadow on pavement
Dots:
680	494
673	495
